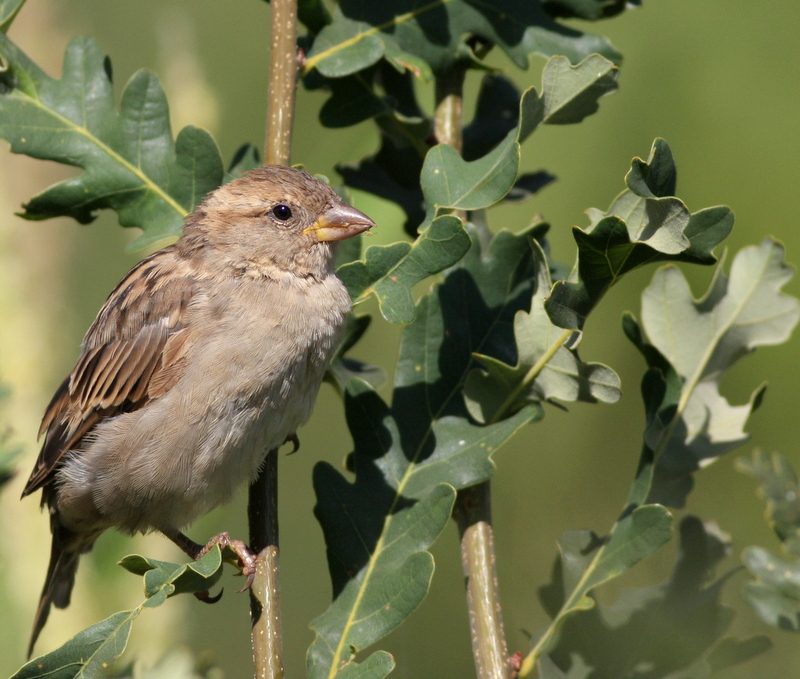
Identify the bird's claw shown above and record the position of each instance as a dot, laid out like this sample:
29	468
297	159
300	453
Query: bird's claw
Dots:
292	438
206	597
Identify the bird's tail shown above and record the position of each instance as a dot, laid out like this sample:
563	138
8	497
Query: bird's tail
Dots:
65	552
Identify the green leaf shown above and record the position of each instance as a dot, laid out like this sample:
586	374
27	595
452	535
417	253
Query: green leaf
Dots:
569	93
588	561
342	369
87	654
178	578
390	271
690	345
545	369
383	570
589	9
435	33
377	666
409	456
674	629
8	12
775	594
90	652
177	663
780	489
640	227
245	159
129	160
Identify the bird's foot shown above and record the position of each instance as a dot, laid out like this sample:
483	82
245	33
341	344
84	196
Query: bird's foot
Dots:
246	558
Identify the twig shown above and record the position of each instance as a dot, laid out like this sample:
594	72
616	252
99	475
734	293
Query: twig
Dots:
283	67
265	592
265	597
473	514
473	508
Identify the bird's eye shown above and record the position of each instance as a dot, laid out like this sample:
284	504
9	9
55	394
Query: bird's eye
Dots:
282	212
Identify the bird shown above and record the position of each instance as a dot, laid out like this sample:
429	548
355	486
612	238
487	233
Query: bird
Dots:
207	355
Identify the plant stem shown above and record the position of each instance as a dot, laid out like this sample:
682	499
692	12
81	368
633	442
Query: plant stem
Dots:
262	510
265	593
283	68
473	514
473	508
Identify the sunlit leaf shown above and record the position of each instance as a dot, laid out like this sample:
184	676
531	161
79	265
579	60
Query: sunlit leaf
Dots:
689	344
545	368
129	160
390	271
775	595
640	227
569	94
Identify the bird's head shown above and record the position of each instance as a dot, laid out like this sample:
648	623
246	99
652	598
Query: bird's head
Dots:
276	216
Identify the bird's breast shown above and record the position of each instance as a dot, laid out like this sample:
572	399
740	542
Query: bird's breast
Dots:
252	375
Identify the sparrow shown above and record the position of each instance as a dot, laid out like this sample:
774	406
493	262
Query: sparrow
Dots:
205	357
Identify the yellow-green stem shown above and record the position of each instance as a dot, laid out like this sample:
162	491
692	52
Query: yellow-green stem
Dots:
265	593
473	509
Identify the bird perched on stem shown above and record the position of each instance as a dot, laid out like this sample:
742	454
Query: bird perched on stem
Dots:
207	355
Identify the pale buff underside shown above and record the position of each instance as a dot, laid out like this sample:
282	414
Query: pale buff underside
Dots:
237	400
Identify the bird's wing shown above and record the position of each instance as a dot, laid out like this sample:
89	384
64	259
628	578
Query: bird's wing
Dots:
134	352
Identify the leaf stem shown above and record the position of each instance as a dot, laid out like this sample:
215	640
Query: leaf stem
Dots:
473	507
531	375
262	510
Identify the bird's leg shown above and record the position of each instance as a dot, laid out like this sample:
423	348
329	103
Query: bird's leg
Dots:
247	560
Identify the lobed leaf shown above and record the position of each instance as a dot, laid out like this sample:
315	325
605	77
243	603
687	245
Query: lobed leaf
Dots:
87	654
409	456
390	271
545	369
129	160
775	595
569	94
691	343
8	12
640	227
588	561
674	629
90	652
436	33
779	487
176	578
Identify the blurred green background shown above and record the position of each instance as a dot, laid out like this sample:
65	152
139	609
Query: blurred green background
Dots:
718	80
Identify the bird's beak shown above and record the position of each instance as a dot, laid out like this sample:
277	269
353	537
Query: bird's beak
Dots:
339	222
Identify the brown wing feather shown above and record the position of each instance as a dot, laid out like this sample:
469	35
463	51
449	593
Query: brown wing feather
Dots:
134	352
